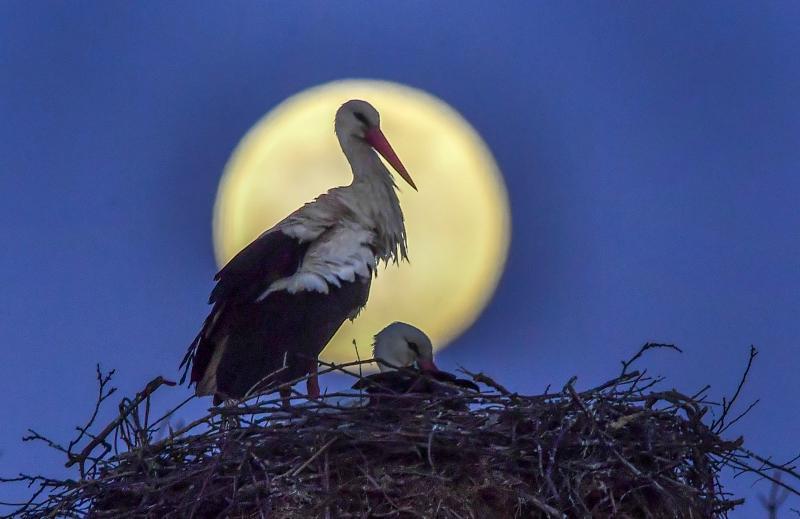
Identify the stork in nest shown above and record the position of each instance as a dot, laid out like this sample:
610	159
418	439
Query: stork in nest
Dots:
398	348
280	300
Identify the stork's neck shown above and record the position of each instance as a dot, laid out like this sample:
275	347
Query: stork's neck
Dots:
372	196
364	162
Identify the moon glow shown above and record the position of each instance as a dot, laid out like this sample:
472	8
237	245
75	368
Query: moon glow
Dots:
458	224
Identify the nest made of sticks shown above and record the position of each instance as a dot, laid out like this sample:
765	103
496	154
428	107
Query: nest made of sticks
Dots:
622	449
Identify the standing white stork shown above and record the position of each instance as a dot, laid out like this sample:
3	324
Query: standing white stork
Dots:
279	301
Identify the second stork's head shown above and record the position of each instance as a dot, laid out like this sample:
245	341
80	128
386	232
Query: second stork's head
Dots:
358	121
402	345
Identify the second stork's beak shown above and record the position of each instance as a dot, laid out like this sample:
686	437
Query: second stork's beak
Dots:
427	365
376	139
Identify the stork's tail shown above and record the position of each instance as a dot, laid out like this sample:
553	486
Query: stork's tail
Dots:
199	353
188	359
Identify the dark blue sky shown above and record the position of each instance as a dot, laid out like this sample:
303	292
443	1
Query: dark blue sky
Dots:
650	150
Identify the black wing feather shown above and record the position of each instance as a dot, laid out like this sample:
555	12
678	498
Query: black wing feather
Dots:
271	256
409	381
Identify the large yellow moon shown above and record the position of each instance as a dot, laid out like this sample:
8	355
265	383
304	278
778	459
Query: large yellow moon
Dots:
458	224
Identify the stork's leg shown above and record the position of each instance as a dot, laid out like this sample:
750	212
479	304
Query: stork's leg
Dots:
285	392
312	384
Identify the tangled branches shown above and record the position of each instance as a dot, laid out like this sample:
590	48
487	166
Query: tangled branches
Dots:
622	449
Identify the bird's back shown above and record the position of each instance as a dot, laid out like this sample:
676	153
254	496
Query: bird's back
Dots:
406	380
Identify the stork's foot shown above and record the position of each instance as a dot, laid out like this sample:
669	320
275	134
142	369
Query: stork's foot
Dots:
230	421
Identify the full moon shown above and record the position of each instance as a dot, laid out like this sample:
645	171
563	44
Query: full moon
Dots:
458	224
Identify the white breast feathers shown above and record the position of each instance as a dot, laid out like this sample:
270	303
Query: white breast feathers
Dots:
340	254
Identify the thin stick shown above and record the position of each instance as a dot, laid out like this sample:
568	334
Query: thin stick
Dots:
146	392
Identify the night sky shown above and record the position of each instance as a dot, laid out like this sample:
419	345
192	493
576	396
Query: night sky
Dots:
651	152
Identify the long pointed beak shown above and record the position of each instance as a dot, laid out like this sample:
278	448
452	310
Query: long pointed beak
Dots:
377	140
427	365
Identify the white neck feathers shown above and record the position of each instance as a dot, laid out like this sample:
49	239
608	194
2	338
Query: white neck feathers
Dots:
373	199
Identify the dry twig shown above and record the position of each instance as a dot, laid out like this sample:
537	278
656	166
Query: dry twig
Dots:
622	449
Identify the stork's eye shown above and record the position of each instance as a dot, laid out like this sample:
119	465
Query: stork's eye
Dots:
414	347
361	117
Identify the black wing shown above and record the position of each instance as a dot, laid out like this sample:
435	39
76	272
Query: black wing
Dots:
408	381
444	376
271	256
388	382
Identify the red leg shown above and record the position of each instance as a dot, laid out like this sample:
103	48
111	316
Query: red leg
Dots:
312	384
285	392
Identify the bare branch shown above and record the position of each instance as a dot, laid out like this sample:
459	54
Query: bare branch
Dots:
626	448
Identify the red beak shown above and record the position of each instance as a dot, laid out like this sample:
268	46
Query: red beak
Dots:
427	365
376	139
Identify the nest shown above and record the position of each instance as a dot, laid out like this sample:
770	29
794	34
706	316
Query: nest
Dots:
622	449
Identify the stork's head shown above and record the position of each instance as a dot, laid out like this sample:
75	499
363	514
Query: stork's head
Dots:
403	345
358	120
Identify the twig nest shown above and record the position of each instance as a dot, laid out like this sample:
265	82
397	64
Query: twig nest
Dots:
621	449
